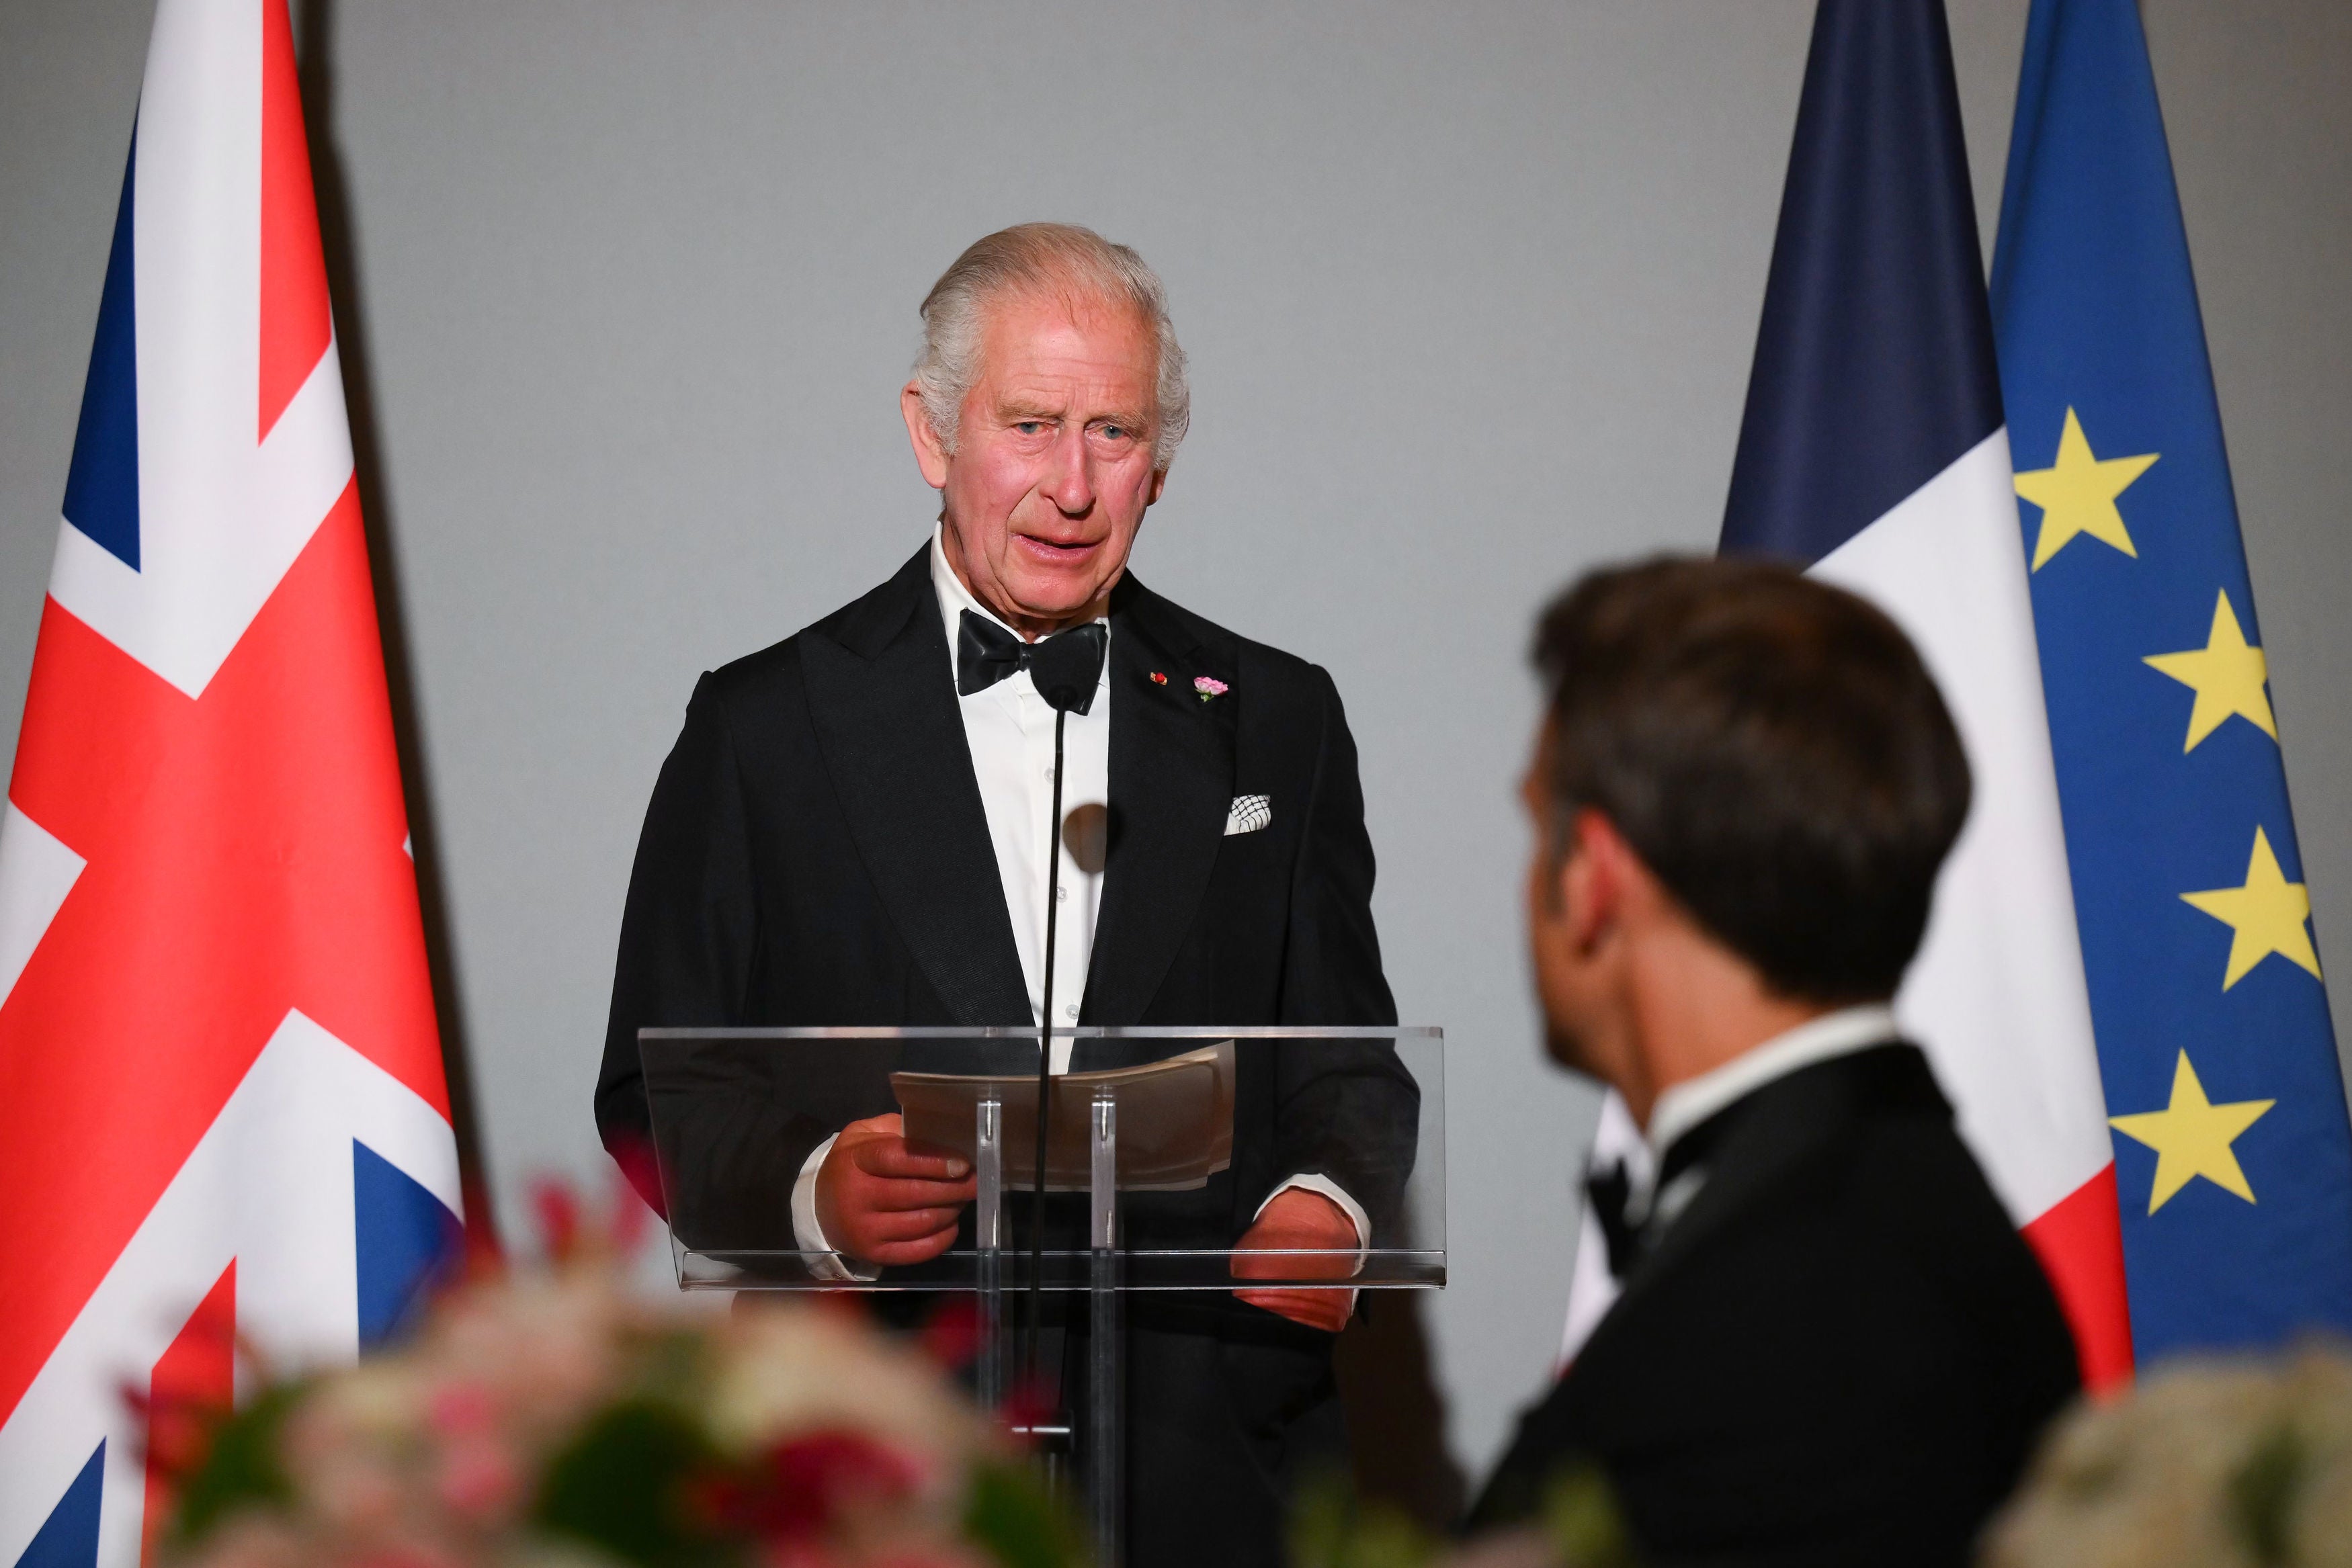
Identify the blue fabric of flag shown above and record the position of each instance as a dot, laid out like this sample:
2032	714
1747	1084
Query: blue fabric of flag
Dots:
406	1241
1875	362
2233	1153
68	1537
102	481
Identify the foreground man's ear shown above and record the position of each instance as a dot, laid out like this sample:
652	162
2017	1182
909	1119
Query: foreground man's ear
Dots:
1595	877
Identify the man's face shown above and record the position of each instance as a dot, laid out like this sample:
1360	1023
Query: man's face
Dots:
1053	465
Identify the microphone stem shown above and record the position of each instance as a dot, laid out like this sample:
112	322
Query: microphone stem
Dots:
1045	1058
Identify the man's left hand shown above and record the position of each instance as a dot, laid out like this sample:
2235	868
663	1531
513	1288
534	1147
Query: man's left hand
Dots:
1298	1220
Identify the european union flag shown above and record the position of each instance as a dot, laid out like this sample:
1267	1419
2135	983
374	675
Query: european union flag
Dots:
2232	1149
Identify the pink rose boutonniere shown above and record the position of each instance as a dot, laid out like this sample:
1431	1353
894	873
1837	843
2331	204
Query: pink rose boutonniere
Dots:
1209	686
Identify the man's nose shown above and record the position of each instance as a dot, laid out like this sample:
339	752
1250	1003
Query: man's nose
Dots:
1069	477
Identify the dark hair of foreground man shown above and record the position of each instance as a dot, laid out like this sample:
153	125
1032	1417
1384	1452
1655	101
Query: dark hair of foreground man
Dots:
1832	1345
1773	751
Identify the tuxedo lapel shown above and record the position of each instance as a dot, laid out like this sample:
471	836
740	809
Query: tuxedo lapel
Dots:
1171	784
882	697
1778	1132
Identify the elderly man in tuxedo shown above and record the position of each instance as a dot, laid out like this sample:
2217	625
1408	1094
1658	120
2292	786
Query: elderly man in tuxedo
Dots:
1832	1347
853	829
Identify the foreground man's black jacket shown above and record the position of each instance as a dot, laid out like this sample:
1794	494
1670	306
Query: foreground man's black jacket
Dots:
1841	1353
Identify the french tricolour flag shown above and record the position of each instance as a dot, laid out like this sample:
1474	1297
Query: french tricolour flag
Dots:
223	1115
1874	449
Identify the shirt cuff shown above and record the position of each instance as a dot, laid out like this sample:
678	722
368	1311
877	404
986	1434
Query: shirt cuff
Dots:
1321	1184
818	1253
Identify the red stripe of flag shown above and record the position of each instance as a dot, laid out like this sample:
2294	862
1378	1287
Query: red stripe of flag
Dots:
297	323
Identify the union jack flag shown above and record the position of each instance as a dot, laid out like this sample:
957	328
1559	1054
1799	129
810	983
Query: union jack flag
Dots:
223	1115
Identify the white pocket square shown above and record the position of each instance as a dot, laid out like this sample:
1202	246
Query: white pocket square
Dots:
1249	814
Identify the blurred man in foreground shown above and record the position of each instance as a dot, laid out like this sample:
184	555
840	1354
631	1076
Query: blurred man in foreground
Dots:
1832	1346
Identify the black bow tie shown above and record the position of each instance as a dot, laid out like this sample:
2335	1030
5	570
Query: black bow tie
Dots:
1630	1234
1065	668
1611	1193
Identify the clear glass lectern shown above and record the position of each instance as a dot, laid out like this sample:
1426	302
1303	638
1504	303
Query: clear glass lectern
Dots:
1157	1147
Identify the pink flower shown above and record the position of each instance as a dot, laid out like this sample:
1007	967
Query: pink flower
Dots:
1209	686
557	1206
804	1485
479	1479
950	1335
462	1409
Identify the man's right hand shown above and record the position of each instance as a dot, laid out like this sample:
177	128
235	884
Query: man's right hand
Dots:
881	1200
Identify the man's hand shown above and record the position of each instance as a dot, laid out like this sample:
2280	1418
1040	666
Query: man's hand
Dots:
881	1200
1300	1220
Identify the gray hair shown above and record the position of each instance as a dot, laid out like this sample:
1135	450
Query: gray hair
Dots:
1042	258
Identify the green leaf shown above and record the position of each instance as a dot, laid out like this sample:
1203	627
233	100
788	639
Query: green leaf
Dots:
1009	1515
1581	1518
623	1485
1331	1527
240	1468
2262	1493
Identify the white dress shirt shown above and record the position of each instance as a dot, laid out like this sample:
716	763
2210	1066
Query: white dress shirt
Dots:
1009	728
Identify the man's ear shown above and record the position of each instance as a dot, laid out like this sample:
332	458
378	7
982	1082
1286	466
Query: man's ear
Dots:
930	452
1594	879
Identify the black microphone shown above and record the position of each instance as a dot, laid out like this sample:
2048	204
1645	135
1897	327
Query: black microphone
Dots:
1065	669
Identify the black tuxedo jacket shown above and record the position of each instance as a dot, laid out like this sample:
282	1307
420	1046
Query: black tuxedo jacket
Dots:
816	853
1841	1353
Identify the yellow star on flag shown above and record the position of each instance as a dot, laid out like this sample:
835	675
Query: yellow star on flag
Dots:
2078	494
2191	1137
2265	916
2227	675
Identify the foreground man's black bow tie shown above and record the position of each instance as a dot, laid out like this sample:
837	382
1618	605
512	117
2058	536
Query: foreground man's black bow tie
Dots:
1067	666
1611	1193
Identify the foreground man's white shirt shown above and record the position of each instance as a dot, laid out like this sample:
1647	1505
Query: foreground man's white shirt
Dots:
1687	1104
1009	728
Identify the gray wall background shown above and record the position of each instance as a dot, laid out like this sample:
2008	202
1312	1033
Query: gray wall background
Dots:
627	290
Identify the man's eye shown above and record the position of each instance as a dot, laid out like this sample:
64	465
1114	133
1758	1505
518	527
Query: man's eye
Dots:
1115	432
1030	426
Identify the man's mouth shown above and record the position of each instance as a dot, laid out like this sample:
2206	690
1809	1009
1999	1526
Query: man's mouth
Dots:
1056	550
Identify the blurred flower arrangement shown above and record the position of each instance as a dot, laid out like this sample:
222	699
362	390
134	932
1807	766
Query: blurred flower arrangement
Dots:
2215	1463
549	1418
1578	1526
